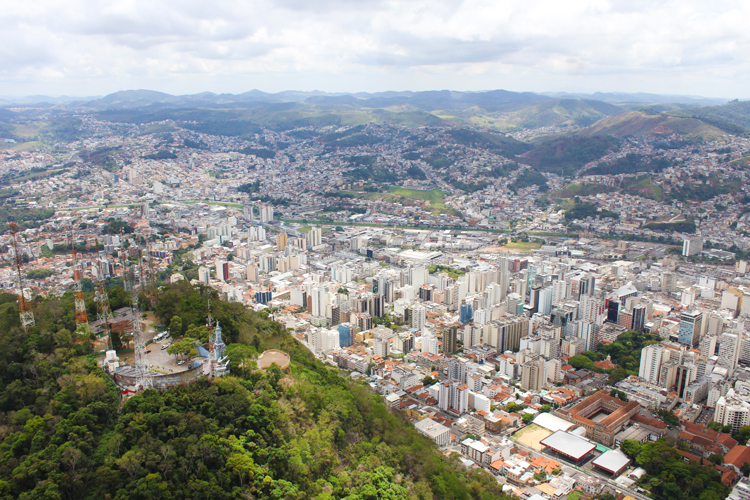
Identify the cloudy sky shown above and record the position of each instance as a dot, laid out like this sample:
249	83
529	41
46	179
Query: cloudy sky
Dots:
94	47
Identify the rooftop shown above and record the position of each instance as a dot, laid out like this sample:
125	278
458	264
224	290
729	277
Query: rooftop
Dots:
569	445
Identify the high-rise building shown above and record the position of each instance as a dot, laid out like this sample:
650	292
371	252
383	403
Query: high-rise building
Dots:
266	213
204	275
729	350
450	338
531	374
692	246
732	410
281	240
466	313
652	358
690	328
315	237
418	317
345	335
668	282
639	317
222	270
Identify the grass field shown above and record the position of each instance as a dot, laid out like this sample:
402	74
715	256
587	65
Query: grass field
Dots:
531	435
524	246
643	187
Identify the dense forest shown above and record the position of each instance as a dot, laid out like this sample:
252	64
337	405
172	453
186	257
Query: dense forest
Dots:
311	433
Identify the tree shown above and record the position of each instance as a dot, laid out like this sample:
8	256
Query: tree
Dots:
545	408
717	458
175	326
183	347
527	417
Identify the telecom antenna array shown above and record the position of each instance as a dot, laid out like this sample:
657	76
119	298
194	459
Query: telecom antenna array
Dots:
24	311
103	311
142	380
81	316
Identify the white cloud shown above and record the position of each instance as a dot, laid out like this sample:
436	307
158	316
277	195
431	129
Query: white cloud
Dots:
85	47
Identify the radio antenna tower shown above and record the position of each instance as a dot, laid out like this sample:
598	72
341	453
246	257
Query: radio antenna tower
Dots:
24	311
81	316
142	380
103	311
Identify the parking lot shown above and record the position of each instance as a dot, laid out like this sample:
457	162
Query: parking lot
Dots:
159	360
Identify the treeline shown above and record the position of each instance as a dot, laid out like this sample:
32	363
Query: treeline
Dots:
25	217
670	476
528	178
308	434
259	152
687	226
588	209
164	154
630	164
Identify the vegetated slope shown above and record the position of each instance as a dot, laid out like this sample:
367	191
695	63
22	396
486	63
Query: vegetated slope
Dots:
485	140
311	433
638	123
733	117
567	155
563	112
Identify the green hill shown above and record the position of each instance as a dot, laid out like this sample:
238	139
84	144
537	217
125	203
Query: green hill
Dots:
566	155
563	112
638	123
311	433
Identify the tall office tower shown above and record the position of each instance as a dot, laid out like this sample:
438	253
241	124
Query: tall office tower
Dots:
281	240
266	213
639	317
450	339
729	350
690	328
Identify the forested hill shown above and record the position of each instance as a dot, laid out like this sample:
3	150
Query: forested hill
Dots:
309	434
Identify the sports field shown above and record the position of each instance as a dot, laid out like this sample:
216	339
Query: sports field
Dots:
531	435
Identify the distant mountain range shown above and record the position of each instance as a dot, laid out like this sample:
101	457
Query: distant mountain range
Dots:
492	100
552	114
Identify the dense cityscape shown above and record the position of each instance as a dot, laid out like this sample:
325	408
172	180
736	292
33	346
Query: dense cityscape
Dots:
551	322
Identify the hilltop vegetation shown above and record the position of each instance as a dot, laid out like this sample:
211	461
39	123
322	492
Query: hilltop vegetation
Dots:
567	155
311	433
648	122
630	164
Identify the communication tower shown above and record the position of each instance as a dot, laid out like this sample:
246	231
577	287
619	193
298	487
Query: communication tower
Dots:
103	312
24	311
81	316
142	380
